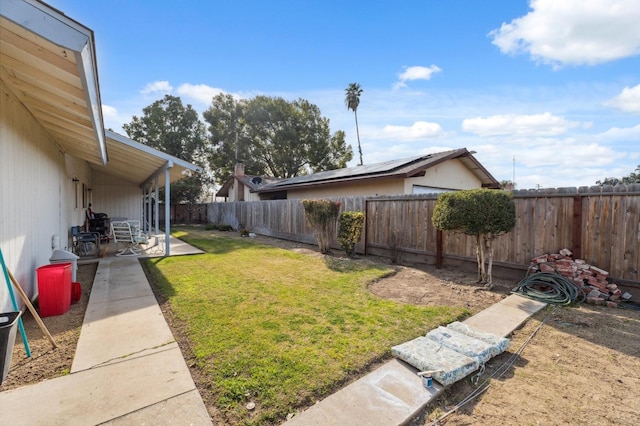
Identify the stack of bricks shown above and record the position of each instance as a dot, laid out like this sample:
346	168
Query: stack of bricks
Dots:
590	279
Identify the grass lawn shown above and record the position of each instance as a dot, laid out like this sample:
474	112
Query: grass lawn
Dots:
278	328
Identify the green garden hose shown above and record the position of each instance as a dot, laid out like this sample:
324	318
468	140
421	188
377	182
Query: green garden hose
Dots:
549	288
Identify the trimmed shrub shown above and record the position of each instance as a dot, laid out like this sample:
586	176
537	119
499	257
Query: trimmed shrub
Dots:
350	230
321	215
482	213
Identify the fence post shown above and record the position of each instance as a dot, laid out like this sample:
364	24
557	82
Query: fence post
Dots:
366	220
439	237
576	227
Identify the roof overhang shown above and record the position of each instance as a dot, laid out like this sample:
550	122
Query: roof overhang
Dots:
140	164
412	167
48	62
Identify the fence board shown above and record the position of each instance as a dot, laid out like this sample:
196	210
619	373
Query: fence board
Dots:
544	224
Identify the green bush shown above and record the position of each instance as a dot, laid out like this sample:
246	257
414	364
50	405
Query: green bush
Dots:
350	229
321	216
482	213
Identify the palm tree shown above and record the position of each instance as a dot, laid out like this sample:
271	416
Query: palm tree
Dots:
352	100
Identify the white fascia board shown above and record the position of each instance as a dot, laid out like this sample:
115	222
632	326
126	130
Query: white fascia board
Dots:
47	22
54	26
90	81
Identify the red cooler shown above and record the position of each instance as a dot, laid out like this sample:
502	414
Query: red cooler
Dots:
54	289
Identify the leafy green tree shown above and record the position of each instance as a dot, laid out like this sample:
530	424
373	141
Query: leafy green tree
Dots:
507	185
228	139
634	177
169	126
482	213
273	137
322	216
350	226
352	101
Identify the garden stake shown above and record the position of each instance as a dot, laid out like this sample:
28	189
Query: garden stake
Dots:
27	302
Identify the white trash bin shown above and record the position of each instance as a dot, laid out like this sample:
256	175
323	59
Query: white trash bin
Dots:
62	256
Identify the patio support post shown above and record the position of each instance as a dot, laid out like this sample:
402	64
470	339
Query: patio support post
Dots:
167	207
156	212
148	208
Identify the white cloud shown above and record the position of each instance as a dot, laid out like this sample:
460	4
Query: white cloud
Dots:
157	87
579	32
109	112
628	100
415	73
417	131
544	124
114	118
200	93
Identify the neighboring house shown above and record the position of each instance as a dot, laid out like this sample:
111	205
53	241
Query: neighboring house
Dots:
432	173
56	156
241	187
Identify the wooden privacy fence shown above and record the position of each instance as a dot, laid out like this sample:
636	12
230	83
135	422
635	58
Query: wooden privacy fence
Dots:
599	224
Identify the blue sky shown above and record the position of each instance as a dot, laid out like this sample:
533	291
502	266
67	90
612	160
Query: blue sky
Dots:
554	85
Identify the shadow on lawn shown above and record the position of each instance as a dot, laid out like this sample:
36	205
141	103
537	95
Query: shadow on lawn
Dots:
211	243
344	265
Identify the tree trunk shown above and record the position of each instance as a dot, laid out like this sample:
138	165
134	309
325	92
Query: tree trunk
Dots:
479	257
489	262
358	134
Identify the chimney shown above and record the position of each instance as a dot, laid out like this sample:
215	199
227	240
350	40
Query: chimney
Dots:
238	169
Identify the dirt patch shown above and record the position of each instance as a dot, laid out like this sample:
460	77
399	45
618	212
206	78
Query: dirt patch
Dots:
581	367
47	362
432	287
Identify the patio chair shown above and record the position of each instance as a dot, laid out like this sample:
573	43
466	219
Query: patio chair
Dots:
85	243
127	237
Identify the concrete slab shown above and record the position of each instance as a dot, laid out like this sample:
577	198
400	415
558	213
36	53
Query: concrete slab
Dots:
177	247
129	331
388	395
122	318
101	394
522	303
119	278
174	411
506	316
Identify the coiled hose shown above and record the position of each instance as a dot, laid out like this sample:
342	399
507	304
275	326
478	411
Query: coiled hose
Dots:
549	288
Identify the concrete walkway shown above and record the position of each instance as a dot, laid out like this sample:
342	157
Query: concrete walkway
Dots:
393	393
128	369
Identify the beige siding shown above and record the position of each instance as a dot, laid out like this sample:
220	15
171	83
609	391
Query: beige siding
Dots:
451	174
250	196
366	188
